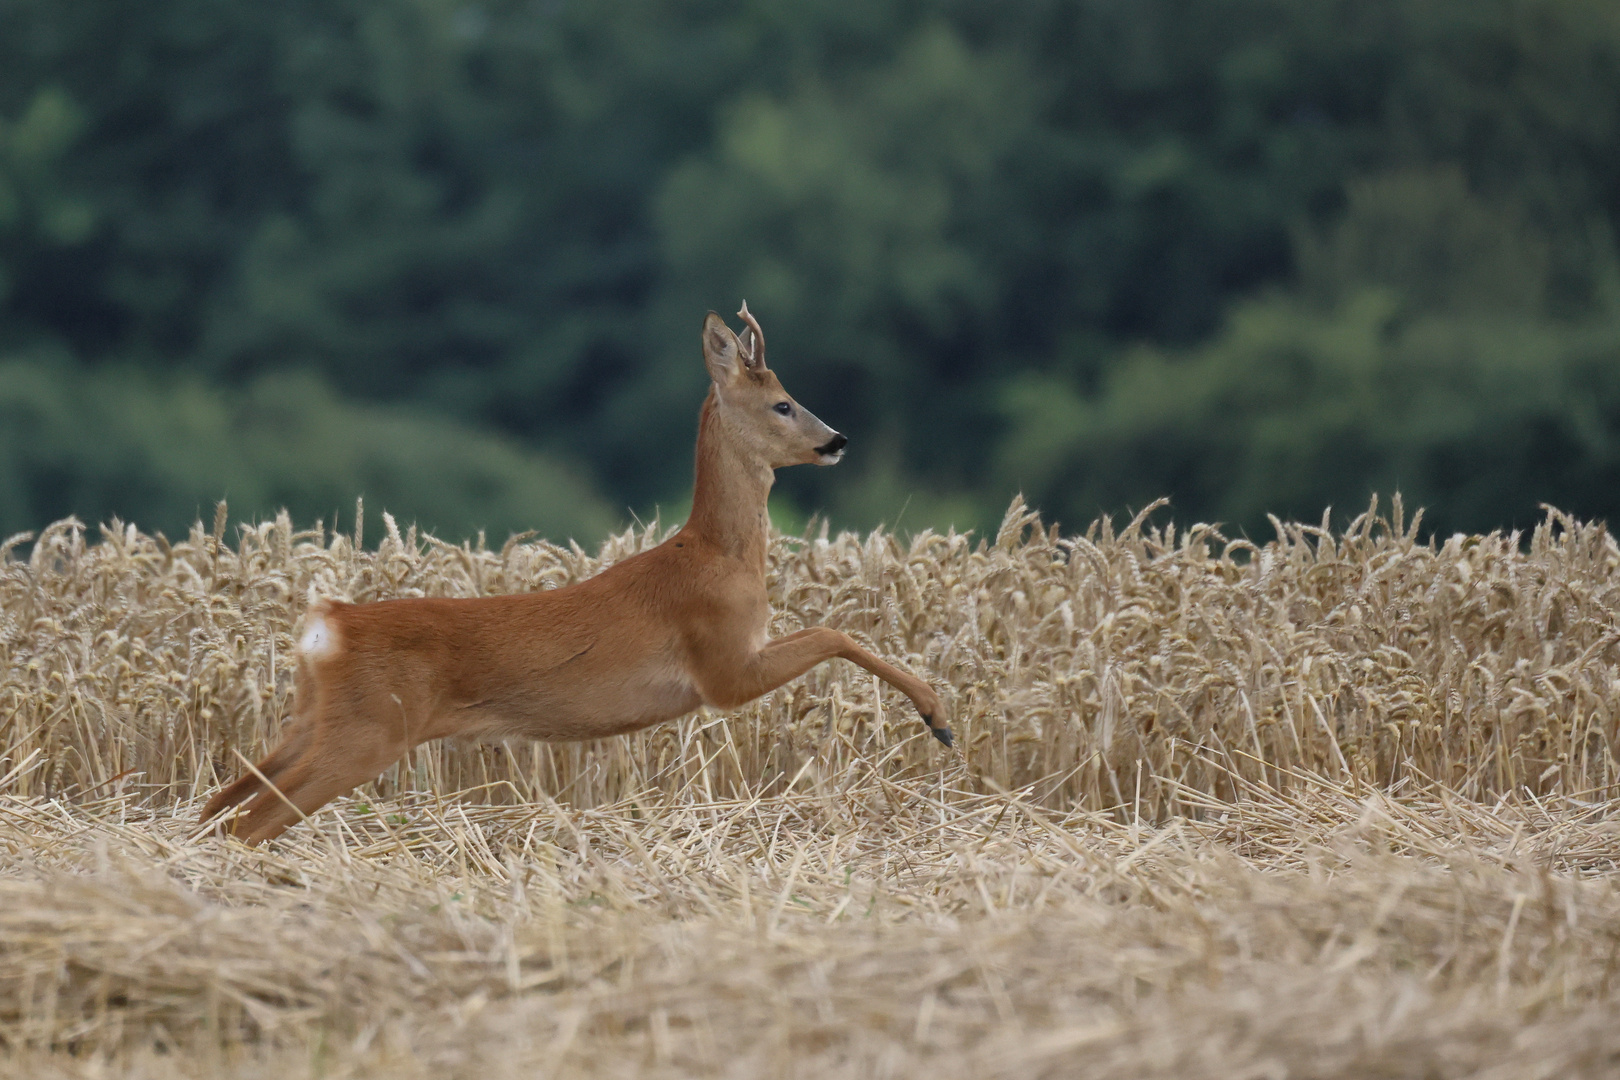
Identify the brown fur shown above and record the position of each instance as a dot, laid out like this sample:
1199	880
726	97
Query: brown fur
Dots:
647	640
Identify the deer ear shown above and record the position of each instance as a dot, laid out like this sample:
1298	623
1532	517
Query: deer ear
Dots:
721	354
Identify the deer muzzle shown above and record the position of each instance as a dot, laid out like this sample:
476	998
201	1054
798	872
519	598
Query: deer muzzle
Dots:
833	449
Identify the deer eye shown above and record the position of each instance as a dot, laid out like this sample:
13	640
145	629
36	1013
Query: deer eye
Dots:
784	408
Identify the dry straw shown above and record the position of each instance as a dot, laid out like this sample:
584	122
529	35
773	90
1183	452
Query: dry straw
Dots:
1341	804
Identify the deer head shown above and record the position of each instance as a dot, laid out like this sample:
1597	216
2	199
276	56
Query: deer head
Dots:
757	415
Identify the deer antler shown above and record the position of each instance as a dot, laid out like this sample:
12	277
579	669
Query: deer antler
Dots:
756	355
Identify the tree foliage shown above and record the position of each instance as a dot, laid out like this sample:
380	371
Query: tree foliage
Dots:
1100	250
96	444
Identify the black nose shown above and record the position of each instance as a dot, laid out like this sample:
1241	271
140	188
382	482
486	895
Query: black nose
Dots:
834	444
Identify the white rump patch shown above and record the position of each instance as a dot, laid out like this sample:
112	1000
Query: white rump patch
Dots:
318	639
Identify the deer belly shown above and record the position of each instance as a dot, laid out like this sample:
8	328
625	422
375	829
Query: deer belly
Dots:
593	705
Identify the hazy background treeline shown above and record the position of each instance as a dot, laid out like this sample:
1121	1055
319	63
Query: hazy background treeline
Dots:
1259	255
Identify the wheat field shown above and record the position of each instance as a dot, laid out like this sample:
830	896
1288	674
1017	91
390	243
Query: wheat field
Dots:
1340	804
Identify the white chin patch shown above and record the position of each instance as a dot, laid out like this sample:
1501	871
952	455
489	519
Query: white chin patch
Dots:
832	459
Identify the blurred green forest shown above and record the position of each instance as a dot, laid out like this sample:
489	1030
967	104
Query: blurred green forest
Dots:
1261	256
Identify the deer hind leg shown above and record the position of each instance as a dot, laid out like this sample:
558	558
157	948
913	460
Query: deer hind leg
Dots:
326	770
343	739
294	743
271	768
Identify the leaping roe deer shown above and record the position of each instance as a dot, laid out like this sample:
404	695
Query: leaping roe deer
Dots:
646	640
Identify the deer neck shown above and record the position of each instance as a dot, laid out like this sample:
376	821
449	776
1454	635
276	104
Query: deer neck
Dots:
730	492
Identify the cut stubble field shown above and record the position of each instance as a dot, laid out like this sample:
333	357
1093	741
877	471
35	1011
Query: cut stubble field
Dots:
1343	804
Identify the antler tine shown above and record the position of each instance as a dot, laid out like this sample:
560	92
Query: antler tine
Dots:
747	316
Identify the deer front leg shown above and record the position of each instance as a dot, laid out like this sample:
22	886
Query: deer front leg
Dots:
789	657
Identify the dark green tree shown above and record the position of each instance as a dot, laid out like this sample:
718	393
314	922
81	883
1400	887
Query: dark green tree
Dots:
964	227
